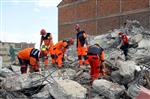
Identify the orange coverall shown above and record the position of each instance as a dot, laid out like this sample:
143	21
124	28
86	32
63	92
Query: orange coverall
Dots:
29	56
59	50
48	42
82	47
95	58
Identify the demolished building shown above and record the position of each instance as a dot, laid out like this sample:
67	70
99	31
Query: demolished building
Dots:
128	79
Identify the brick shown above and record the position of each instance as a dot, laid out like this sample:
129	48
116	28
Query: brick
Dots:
106	24
129	5
67	14
85	13
86	10
108	7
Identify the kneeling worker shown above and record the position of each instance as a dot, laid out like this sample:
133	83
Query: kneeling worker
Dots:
96	58
29	56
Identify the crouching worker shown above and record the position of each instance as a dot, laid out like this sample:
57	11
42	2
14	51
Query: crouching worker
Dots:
96	58
60	49
29	56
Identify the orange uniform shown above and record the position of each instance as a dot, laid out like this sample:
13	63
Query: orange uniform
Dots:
82	47
95	58
59	50
48	42
29	56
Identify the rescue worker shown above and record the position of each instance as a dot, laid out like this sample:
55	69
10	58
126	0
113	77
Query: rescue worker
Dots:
29	56
82	46
59	50
96	60
46	39
124	44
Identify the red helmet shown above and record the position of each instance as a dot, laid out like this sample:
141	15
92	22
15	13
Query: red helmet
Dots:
43	32
120	33
71	41
77	26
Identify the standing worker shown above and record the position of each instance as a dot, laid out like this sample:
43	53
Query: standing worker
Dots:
46	40
96	60
29	56
82	45
124	44
59	50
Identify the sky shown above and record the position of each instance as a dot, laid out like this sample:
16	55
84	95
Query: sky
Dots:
22	20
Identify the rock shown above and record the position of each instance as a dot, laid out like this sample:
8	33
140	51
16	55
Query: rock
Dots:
98	97
116	77
108	89
16	69
4	72
138	92
126	70
43	94
19	82
137	38
67	89
64	74
143	94
144	43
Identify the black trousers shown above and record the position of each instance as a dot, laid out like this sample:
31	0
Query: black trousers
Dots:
124	48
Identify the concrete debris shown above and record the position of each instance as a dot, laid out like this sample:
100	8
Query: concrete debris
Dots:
126	70
108	89
67	89
126	78
137	38
5	72
43	94
64	74
138	92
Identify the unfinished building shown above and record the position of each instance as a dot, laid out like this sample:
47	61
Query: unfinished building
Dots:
99	16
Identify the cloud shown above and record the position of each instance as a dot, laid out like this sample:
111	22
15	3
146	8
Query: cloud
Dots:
44	18
36	10
16	1
47	3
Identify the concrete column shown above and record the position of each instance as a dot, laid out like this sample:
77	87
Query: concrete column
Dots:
149	3
120	6
96	16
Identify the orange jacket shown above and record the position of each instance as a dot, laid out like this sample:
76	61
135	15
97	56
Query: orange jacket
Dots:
25	54
30	54
61	45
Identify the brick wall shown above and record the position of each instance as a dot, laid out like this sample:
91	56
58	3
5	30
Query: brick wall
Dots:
98	16
107	7
128	5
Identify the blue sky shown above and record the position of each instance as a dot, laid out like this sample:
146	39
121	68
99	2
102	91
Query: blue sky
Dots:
22	20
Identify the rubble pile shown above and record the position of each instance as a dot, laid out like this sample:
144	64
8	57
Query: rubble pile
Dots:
127	79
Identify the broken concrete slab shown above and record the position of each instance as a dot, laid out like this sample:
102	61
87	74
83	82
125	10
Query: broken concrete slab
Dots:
19	82
67	89
64	74
137	38
116	77
143	94
138	92
108	89
126	70
5	72
42	94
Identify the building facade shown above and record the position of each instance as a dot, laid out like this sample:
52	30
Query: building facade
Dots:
98	16
4	50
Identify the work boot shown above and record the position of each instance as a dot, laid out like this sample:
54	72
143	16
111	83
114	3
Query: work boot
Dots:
126	58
